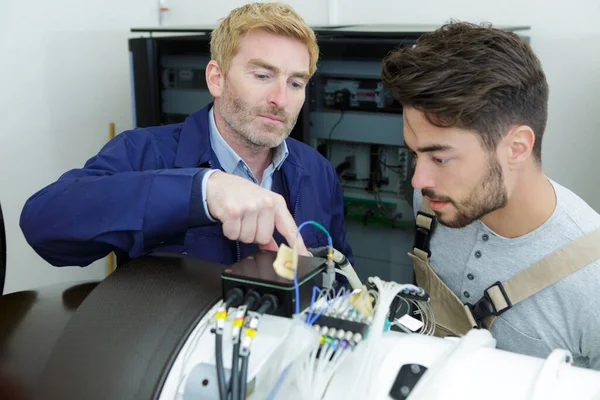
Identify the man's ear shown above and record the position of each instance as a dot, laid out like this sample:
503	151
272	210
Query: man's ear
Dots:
214	79
520	141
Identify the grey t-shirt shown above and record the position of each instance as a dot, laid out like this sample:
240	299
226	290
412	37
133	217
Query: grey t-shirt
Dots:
565	315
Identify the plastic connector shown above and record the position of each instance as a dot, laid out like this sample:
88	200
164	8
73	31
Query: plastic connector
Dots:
340	259
329	275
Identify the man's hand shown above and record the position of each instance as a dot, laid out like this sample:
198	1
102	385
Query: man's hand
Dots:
250	213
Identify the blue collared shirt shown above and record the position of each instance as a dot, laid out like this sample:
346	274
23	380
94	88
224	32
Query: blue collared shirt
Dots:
232	163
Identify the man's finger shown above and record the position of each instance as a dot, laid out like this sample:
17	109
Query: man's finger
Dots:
271	246
302	250
265	225
284	223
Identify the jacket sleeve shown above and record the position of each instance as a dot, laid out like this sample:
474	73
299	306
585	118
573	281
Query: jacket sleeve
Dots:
338	229
122	199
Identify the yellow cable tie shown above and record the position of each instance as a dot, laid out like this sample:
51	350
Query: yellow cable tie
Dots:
238	322
221	314
250	332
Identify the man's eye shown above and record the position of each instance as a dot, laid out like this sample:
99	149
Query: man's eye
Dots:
441	161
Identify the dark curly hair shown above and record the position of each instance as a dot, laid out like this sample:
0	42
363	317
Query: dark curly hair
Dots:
473	77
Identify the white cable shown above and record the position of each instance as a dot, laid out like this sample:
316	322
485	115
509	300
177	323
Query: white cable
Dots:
336	362
193	343
362	379
543	386
433	326
374	294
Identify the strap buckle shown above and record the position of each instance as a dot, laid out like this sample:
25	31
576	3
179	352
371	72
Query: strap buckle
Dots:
485	306
423	235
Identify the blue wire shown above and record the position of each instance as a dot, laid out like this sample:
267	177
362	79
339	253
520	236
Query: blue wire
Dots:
316	317
279	383
312	302
302	225
297	293
329	241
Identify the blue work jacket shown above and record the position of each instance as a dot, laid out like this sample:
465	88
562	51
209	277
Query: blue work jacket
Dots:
136	197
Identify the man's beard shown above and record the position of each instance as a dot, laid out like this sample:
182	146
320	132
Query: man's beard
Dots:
488	196
242	119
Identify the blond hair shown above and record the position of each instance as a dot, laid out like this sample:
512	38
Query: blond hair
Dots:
277	18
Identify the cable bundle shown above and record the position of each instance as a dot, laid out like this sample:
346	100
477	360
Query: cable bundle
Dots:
244	327
363	376
414	298
340	329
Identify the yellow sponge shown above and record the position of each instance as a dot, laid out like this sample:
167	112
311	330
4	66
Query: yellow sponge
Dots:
286	261
362	302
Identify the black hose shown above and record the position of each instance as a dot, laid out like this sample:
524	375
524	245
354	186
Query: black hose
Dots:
269	304
251	300
234	297
235	372
220	368
243	378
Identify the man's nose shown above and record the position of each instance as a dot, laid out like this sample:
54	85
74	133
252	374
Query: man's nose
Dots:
422	178
278	95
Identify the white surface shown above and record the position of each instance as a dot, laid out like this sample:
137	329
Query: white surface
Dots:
457	369
193	12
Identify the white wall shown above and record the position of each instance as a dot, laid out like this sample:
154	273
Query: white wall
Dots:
65	76
194	12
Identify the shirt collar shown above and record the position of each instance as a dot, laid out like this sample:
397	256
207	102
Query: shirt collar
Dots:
228	158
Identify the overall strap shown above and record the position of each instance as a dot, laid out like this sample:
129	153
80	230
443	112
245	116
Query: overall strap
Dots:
425	225
501	296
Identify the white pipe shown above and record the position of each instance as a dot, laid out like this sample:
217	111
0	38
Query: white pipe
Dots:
469	371
347	268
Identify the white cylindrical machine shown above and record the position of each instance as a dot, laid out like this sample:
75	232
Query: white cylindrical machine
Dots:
454	368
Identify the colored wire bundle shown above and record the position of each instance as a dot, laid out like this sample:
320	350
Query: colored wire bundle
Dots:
329	256
318	225
333	303
316	369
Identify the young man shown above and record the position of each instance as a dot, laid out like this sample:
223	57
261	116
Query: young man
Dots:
216	186
475	109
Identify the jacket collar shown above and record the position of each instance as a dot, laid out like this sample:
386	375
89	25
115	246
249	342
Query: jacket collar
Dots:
194	147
